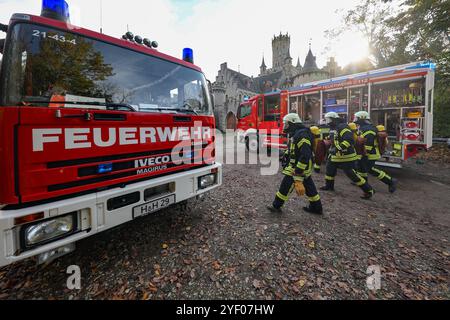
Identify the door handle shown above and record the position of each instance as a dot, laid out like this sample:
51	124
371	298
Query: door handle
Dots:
86	116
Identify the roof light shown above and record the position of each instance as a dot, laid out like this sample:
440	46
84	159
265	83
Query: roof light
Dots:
130	36
138	39
188	55
56	9
147	42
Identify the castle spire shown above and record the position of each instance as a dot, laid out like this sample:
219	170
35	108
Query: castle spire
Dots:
263	65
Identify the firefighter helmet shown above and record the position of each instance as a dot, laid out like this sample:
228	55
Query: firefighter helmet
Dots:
315	131
291	118
330	116
352	126
362	115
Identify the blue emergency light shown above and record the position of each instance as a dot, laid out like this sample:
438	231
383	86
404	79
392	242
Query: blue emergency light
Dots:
55	9
188	55
104	168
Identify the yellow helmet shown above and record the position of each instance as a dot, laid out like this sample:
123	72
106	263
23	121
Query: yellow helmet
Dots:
381	128
352	126
315	130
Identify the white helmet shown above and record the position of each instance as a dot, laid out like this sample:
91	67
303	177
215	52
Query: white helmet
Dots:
291	118
330	116
361	115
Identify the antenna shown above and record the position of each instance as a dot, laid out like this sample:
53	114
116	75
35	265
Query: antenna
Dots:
101	16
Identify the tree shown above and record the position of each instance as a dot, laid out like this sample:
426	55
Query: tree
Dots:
406	31
63	66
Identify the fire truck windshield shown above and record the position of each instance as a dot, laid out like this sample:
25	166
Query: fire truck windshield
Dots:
45	66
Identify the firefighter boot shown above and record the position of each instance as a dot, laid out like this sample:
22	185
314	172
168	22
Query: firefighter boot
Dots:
329	186
314	208
274	210
393	185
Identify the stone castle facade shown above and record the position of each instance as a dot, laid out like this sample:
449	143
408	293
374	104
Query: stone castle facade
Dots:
231	87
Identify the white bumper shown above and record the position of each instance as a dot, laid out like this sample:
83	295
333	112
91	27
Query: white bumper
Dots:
93	210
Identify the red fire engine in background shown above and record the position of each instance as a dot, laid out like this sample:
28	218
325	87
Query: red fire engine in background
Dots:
94	132
400	98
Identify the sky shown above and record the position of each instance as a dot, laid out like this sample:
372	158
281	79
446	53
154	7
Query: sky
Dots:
238	32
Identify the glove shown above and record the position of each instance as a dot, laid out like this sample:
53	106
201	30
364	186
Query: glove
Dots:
300	188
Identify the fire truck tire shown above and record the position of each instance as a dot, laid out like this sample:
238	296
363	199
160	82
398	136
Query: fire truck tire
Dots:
252	144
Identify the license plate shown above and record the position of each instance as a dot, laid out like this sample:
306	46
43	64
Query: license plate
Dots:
153	206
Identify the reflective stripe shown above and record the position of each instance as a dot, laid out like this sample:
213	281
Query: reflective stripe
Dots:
361	182
329	178
302	166
381	174
315	198
282	197
300	144
316	166
289	171
369	148
368	132
346	144
364	175
337	145
375	156
347	158
344	132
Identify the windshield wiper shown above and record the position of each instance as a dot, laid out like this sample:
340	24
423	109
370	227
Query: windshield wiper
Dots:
176	110
109	106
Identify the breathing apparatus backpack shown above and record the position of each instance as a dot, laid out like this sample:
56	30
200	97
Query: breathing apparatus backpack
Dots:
320	147
382	139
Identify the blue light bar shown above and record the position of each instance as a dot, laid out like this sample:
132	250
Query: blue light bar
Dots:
423	65
104	168
56	9
188	55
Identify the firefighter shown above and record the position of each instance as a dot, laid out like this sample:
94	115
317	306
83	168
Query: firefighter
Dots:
372	151
342	155
298	167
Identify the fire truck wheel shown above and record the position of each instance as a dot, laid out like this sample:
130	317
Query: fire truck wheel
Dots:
252	144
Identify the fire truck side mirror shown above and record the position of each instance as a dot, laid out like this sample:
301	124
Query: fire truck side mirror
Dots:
210	94
2	45
3	27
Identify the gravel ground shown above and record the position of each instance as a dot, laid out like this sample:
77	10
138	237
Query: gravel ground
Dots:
229	246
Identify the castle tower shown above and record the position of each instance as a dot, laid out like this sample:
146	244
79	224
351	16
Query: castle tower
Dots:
281	51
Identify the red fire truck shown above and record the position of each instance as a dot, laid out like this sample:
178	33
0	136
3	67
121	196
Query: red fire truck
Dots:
260	121
94	132
400	98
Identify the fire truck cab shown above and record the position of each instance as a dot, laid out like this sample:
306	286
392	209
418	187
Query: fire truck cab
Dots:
94	132
260	121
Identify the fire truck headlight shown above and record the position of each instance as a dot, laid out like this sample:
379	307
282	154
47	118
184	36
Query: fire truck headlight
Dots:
48	230
206	181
